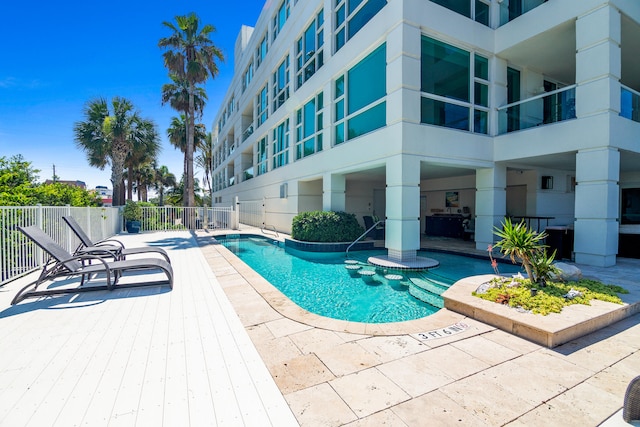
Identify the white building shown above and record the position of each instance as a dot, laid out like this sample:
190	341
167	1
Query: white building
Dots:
405	109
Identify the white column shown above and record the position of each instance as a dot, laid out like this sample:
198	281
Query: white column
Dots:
402	235
598	62
333	192
491	203
597	203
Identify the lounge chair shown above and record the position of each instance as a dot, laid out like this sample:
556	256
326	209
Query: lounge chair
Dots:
63	264
110	247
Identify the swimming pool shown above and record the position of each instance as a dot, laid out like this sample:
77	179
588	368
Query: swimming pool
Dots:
322	283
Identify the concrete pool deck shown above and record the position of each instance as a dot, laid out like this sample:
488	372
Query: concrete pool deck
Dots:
424	372
215	351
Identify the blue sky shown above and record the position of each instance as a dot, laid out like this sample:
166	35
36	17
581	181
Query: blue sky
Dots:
59	55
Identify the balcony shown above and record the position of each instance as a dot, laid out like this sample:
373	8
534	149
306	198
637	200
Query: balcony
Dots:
512	9
543	109
630	103
248	173
247	133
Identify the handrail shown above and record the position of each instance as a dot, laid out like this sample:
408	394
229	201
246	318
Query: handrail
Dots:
272	226
346	253
540	96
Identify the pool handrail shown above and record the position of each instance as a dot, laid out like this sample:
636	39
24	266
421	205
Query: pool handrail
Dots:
346	253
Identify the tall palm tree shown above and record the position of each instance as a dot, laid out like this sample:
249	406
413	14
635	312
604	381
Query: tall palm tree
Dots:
177	133
143	152
204	159
144	176
192	56
176	94
108	135
163	179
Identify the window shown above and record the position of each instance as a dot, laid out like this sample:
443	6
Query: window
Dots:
309	52
281	84
261	50
475	9
247	77
351	16
359	97
309	127
630	206
262	105
281	144
261	156
448	73
280	18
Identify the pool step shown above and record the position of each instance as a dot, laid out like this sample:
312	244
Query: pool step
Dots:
428	290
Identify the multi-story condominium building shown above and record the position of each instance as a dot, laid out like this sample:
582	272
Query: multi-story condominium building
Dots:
417	110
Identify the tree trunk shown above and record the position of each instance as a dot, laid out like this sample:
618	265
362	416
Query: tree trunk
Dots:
189	199
129	184
117	171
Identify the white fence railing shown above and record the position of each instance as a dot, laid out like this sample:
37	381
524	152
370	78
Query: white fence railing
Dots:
19	256
252	213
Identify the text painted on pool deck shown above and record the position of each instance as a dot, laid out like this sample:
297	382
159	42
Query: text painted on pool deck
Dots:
443	332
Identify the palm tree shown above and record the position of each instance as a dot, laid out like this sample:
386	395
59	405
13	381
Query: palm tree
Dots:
177	133
177	95
163	179
143	153
144	176
191	56
204	160
107	136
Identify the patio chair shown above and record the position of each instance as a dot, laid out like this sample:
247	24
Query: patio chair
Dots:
63	264
109	247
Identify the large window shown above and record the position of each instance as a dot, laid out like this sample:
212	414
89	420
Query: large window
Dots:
280	18
281	144
261	156
359	99
352	15
448	73
309	52
261	50
309	127
247	76
281	84
475	9
262	105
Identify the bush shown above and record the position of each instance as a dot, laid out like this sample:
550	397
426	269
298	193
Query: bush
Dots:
321	226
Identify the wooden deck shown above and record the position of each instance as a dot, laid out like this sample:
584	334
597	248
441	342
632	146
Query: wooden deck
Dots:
141	356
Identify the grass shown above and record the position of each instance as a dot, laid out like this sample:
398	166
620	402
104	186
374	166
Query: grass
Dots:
551	298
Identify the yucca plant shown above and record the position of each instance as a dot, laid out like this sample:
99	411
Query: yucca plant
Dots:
520	242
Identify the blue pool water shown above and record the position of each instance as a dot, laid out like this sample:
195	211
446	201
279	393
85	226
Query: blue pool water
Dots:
321	283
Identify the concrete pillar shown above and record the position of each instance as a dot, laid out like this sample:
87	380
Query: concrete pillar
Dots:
402	236
598	62
491	203
403	74
597	204
333	192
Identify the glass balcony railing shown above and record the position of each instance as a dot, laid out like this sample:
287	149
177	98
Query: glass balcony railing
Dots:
247	133
247	173
510	10
543	109
630	103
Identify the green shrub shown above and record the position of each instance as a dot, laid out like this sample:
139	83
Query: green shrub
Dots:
321	226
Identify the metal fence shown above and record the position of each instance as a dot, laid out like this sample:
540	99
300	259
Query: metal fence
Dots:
252	212
19	256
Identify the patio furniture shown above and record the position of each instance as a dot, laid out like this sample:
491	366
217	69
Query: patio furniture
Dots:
631	408
109	247
378	232
63	264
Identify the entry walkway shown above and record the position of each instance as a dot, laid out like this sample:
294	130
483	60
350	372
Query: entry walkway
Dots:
135	357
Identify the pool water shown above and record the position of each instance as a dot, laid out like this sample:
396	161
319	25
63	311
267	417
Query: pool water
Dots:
321	283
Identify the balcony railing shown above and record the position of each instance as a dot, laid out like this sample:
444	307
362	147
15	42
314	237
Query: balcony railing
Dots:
630	103
247	133
510	10
247	173
547	108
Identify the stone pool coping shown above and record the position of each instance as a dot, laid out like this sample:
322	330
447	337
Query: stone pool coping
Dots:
551	330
